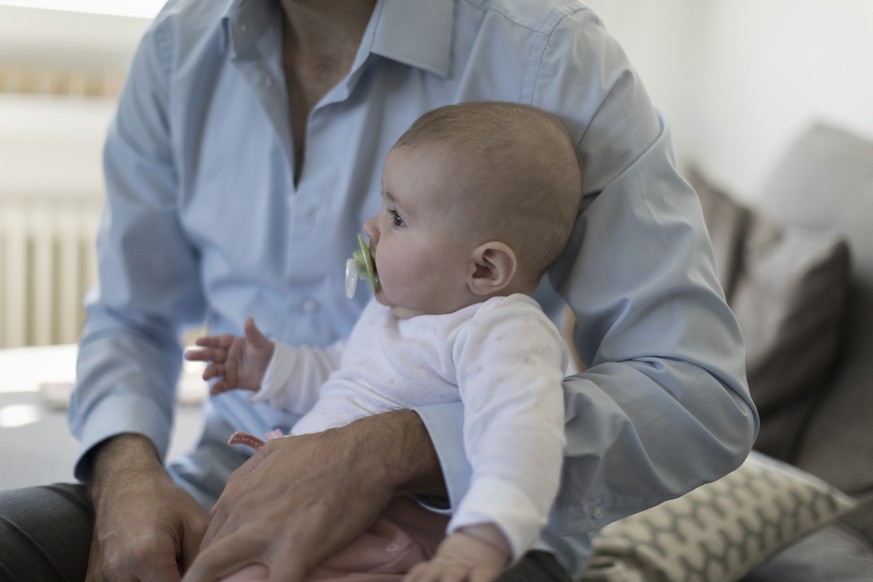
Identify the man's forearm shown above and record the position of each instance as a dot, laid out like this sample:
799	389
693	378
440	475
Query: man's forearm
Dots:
121	457
399	445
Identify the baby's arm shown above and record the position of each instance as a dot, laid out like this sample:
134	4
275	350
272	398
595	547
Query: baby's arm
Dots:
477	553
511	365
237	361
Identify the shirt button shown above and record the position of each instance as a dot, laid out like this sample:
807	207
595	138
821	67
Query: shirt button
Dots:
310	306
598	512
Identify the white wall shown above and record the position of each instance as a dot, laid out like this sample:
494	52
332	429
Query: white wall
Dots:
739	79
51	144
59	74
57	37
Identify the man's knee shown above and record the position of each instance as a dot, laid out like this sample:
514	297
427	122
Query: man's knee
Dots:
45	533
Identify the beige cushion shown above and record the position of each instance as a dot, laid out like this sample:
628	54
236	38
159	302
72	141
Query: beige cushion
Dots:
720	531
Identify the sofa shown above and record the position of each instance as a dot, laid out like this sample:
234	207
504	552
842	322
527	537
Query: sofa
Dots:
797	269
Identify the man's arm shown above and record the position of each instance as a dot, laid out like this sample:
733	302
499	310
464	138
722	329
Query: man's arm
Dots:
129	356
149	274
665	356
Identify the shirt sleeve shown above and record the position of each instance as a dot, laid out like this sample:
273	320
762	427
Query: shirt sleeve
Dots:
129	354
664	351
664	405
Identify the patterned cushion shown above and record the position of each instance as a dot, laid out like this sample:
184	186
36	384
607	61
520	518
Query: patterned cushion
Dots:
719	531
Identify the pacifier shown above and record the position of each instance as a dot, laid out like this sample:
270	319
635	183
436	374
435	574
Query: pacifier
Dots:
360	266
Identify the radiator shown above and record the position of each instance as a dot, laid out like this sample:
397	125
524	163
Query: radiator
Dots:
47	262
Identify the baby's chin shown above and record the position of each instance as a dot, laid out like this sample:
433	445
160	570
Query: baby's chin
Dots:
403	312
397	311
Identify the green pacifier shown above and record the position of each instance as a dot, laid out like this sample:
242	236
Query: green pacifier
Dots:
361	266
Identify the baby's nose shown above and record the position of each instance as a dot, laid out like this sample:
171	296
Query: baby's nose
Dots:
371	230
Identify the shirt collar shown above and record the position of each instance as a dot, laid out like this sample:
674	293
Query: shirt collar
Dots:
245	21
414	32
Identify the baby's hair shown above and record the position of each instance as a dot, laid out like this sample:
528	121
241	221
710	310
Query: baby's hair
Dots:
525	174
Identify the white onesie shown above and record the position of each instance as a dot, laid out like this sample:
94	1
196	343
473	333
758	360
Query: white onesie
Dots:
503	358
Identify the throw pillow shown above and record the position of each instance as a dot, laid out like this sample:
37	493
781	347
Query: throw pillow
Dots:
719	531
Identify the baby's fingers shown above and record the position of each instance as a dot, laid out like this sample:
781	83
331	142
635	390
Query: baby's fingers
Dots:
195	355
224	341
219	387
207	355
426	572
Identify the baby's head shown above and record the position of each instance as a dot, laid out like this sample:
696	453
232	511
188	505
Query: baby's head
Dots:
478	200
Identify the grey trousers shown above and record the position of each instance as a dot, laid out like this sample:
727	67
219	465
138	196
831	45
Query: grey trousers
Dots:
45	533
45	536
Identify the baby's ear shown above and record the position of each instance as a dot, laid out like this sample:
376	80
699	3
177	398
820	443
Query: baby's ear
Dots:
492	268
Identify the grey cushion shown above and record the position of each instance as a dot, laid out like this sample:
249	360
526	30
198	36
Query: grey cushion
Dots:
832	553
825	182
787	287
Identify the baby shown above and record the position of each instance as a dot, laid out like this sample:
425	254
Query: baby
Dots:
478	200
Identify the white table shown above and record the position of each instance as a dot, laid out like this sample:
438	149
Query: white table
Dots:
35	444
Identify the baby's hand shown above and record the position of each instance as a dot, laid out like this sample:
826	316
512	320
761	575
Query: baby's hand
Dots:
477	553
239	362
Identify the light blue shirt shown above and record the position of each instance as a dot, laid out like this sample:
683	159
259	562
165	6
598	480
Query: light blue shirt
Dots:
205	223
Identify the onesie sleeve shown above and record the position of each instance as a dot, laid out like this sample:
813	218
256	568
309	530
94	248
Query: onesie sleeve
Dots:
295	375
510	361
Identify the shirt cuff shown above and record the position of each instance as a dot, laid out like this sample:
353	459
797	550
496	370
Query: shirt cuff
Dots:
122	414
445	426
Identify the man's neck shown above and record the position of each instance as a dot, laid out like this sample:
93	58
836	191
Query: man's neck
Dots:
320	39
326	29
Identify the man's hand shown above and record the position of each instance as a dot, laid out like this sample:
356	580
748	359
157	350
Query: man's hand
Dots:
146	527
473	554
240	361
301	499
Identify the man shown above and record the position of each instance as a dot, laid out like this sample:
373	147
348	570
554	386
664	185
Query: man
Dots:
244	156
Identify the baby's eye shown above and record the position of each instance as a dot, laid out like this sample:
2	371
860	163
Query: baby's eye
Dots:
396	219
